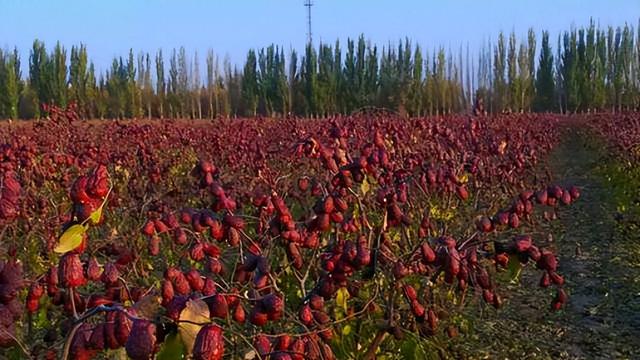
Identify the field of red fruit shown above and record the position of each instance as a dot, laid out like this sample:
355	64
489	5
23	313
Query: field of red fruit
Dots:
352	237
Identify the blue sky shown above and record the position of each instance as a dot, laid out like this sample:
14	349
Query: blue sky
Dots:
111	27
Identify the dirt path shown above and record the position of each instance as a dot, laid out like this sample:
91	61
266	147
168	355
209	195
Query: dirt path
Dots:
600	261
597	258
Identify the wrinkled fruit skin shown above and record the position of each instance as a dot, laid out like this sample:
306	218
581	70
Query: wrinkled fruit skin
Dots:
71	271
141	343
209	344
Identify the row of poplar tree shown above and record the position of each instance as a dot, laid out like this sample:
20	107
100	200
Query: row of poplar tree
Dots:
590	69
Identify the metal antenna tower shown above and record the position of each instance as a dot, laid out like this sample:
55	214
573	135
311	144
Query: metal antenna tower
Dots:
309	4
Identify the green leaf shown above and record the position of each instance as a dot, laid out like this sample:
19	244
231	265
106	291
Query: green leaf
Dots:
194	314
41	320
172	348
70	239
410	349
341	298
514	268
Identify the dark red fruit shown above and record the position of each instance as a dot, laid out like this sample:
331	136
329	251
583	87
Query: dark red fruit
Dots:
273	305
305	314
110	274
462	193
428	255
514	220
141	344
97	339
218	306
154	245
71	272
556	278
502	259
487	295
541	197
303	184
93	269
123	325
399	270
149	228
432	319
548	261
239	314
534	253
258	318
262	345
575	192
522	243
209	343
484	225
180	284
410	292
33	297
235	222
195	280
545	280
167	291
417	309
452	331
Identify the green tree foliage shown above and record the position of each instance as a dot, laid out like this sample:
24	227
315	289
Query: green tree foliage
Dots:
161	87
593	69
499	82
250	85
545	84
514	82
58	65
78	79
310	80
39	72
9	85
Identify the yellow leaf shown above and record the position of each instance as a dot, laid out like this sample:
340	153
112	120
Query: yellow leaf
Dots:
194	314
448	215
364	187
435	212
96	215
342	297
502	147
147	306
70	239
356	212
346	330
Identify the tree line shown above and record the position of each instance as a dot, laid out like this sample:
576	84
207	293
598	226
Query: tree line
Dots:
591	69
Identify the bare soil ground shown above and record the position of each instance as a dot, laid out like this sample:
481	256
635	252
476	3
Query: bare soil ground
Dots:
600	259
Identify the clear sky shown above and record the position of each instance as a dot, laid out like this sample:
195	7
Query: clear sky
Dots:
111	27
